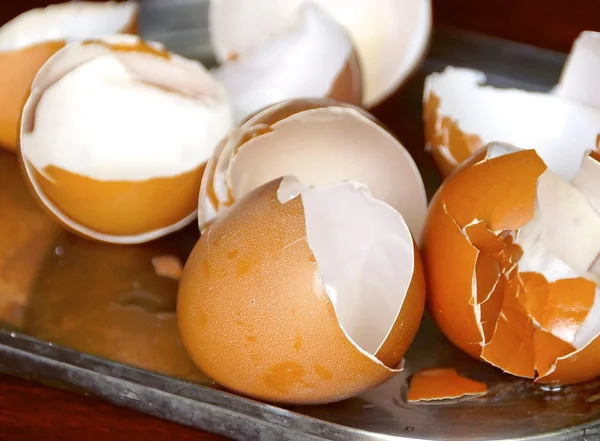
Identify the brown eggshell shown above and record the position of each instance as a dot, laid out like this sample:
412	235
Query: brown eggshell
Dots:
406	327
518	321
94	203
442	384
18	71
315	58
20	66
303	137
462	114
441	133
347	87
577	367
255	316
146	199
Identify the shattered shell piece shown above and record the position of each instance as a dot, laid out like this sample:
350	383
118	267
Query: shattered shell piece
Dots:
504	215
309	316
442	384
390	39
110	138
30	39
167	266
578	80
462	114
313	59
320	142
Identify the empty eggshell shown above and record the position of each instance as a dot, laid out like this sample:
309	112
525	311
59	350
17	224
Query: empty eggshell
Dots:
578	80
315	58
461	115
517	239
27	41
302	294
390	39
320	142
115	136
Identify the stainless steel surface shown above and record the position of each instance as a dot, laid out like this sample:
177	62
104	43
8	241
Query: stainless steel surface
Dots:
97	319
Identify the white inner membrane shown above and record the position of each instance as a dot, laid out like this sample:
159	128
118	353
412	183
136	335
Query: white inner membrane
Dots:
390	38
579	78
302	62
329	145
559	130
365	255
113	115
70	21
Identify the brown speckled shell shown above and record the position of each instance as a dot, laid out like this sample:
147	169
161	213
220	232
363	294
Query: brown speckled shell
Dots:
254	315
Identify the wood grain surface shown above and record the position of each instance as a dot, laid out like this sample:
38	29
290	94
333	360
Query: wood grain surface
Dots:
29	411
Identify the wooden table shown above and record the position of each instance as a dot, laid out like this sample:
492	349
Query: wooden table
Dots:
29	411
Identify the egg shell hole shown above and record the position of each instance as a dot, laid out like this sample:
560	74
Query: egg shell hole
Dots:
313	58
463	114
72	101
328	144
390	39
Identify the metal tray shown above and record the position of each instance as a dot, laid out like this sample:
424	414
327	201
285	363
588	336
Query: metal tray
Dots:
97	319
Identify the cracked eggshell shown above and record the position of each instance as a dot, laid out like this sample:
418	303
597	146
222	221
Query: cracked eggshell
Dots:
390	39
461	115
314	58
30	39
517	242
320	142
301	294
115	136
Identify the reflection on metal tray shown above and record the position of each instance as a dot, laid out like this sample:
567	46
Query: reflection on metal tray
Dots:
96	318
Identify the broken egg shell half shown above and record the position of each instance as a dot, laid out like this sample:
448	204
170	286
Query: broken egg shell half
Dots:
462	114
30	39
320	142
302	294
313	59
578	80
115	136
510	249
391	39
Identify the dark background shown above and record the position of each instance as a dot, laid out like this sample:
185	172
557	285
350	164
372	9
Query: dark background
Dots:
32	412
551	24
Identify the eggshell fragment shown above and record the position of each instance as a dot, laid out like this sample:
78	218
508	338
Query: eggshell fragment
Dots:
390	39
461	115
115	136
167	266
505	215
442	384
320	142
276	302
578	79
315	58
29	40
